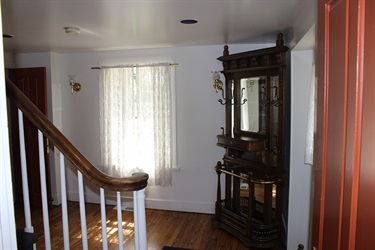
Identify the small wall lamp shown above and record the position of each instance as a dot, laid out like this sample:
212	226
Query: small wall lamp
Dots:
218	84
75	86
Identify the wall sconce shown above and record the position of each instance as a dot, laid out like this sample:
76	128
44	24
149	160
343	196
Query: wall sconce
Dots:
218	85
75	86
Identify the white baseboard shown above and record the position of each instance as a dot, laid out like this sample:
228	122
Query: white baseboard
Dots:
172	205
182	206
56	199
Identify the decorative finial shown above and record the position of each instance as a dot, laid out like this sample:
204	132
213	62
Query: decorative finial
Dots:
280	40
226	51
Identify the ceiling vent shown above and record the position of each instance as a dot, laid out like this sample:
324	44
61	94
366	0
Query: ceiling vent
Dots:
72	30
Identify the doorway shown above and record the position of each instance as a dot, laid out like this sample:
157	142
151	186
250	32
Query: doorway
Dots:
32	82
301	171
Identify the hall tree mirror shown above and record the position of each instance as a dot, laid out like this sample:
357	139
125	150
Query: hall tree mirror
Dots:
252	112
254	163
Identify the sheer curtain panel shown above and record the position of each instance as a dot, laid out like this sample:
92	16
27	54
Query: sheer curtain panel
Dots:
136	121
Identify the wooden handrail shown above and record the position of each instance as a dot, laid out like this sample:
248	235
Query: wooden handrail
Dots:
133	183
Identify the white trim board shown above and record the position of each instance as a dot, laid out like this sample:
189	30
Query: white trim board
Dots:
172	205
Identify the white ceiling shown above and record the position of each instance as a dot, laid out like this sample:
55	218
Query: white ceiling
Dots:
37	25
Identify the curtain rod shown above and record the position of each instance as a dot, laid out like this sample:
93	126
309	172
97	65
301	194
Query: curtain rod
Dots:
136	65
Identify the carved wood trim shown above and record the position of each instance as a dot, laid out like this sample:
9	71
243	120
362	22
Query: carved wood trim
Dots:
261	59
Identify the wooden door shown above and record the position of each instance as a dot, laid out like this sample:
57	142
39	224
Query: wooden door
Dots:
32	82
343	216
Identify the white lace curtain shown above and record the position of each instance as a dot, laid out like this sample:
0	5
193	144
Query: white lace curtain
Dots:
136	121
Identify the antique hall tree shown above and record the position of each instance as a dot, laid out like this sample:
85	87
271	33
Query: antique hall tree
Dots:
256	149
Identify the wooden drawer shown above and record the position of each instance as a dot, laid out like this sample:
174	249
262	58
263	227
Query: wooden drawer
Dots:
242	143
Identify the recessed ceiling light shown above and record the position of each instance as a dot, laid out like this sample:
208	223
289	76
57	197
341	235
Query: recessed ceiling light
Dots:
8	36
188	21
72	30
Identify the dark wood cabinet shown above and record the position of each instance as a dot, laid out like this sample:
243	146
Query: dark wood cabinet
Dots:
249	195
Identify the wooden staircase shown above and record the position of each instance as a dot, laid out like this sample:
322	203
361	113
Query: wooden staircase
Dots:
136	183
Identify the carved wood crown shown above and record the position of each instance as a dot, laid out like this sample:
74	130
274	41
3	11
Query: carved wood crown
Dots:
256	59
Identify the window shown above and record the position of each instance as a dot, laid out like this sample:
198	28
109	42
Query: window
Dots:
137	125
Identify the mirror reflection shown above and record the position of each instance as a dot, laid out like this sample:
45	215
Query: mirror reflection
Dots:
253	110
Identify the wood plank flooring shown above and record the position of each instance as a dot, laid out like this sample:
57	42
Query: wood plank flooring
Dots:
164	228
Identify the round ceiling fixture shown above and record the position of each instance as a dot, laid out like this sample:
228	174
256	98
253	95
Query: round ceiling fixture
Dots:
188	21
72	30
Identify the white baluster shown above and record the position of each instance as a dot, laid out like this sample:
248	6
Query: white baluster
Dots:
25	183
119	222
140	220
64	205
82	211
104	219
43	185
136	222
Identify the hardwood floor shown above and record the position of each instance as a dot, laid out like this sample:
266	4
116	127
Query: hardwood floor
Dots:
164	228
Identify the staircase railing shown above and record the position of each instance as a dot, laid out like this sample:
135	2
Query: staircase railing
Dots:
136	183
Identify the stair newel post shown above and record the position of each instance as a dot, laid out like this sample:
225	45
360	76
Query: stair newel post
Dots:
140	220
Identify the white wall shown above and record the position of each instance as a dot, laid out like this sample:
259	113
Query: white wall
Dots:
304	16
7	229
199	118
9	60
300	179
